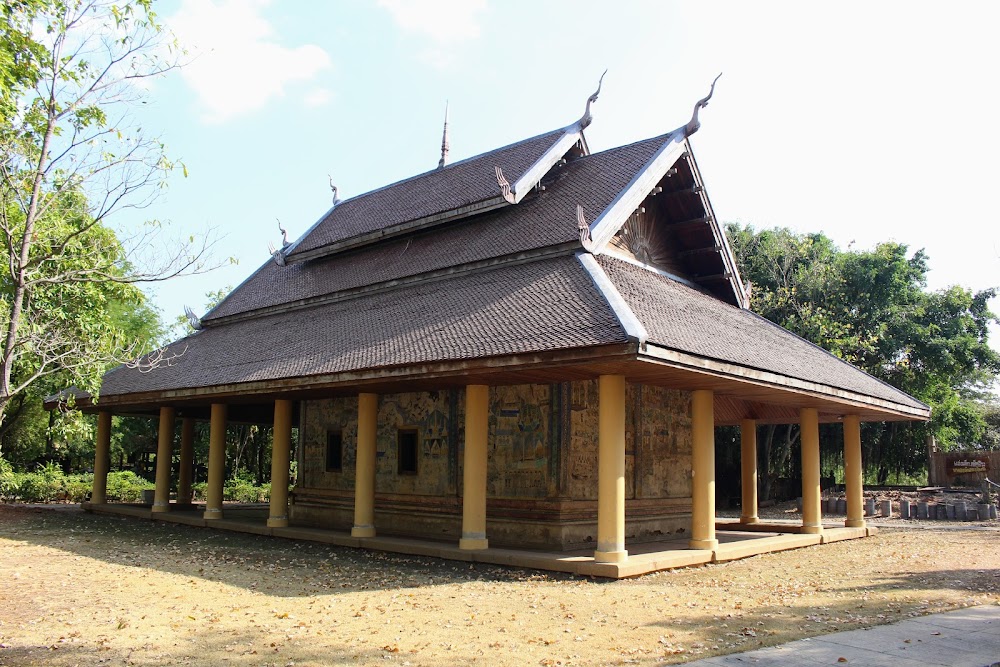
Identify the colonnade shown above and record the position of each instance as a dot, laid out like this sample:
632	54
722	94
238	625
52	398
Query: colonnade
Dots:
611	467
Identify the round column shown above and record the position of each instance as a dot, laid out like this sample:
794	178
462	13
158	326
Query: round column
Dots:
216	462
853	472
611	470
102	447
364	479
748	470
703	470
164	460
280	452
812	514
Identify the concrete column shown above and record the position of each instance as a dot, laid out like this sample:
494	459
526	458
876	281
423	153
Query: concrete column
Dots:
477	406
280	451
364	479
703	470
187	461
853	474
164	460
98	492
748	470
611	470
216	462
812	515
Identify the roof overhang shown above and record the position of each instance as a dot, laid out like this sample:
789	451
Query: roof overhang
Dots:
741	393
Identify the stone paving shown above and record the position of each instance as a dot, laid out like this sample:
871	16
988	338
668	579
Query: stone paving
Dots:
964	638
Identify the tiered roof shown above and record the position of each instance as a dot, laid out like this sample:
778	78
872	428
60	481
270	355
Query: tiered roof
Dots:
532	254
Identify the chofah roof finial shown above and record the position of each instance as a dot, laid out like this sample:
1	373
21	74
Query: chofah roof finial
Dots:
587	118
694	123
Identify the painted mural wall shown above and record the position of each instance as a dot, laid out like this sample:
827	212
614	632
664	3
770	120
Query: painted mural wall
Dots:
431	414
542	442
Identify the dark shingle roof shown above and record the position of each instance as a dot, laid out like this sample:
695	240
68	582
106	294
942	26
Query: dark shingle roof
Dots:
457	185
542	220
684	319
514	309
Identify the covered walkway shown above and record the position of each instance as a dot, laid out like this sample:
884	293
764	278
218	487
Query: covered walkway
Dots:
735	541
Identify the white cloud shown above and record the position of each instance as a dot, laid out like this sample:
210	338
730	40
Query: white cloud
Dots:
317	97
238	65
446	23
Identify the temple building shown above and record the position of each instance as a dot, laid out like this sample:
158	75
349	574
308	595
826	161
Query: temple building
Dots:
520	354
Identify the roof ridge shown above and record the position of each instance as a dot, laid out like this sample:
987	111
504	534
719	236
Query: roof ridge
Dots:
450	165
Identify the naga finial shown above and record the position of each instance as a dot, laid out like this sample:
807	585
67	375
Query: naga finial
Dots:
333	189
444	140
694	123
192	319
284	235
587	118
584	228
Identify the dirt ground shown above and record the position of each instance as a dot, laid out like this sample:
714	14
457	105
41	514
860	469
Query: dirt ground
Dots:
78	589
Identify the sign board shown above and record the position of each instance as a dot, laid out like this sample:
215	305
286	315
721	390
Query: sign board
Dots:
964	465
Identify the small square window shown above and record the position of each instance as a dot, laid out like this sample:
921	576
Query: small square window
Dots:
406	441
334	451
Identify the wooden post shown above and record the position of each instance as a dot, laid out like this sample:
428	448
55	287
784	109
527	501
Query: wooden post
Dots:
216	462
98	491
477	406
703	470
853	472
187	462
364	479
164	460
748	470
611	470
812	514
280	452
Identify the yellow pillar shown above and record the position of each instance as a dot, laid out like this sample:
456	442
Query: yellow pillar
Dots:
280	451
164	460
611	470
364	478
477	398
703	470
216	462
853	472
98	491
187	461
812	515
748	469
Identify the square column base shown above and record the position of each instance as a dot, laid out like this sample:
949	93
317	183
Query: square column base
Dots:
749	519
209	515
611	556
711	545
277	522
812	529
855	523
161	507
363	531
473	543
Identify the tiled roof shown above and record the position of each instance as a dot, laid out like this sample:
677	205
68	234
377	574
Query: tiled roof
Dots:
682	318
514	309
545	219
457	185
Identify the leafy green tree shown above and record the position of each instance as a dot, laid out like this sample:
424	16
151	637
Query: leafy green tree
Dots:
71	157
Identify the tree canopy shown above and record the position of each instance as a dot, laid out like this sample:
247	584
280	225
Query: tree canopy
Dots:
72	156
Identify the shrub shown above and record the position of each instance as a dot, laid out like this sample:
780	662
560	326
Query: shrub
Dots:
126	487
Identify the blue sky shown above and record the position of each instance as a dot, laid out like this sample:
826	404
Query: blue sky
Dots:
867	121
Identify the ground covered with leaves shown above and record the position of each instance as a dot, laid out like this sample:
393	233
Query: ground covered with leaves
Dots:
78	589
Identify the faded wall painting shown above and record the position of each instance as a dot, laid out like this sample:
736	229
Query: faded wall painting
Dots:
664	442
520	439
430	414
318	418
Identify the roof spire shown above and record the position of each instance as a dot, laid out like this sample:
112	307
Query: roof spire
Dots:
694	123
587	118
444	139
